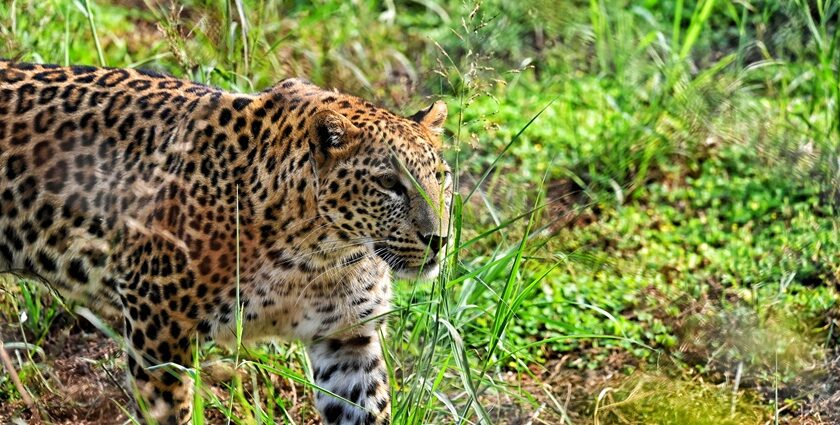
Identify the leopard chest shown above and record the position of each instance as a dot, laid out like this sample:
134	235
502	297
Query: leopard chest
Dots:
307	307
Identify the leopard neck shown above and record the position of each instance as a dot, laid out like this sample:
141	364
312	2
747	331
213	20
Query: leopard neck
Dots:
279	190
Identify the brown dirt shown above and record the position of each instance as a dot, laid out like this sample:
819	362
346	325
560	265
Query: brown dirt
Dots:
84	381
819	392
81	380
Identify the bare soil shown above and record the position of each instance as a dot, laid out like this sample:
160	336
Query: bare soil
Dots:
82	376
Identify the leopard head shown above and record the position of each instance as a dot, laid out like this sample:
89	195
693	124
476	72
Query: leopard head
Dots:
382	180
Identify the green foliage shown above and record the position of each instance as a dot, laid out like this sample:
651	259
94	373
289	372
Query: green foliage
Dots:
693	143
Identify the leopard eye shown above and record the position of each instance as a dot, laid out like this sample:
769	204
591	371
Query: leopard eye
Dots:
446	178
388	182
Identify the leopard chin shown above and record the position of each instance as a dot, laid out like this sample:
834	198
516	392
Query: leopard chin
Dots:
429	270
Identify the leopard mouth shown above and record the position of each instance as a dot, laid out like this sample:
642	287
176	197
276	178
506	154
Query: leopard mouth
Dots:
403	268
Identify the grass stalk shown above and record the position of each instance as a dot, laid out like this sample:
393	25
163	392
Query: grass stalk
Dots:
86	9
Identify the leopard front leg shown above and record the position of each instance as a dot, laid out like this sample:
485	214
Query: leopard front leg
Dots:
157	345
353	368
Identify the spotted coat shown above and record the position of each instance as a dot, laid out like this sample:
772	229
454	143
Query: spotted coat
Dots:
148	198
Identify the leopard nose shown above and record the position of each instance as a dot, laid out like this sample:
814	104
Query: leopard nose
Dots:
438	242
434	242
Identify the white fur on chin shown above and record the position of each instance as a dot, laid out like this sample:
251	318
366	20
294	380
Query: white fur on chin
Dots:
428	272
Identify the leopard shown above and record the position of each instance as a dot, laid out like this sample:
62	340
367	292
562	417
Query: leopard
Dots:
191	214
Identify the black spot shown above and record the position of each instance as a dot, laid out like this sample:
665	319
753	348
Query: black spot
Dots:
175	329
126	125
243	143
47	94
286	132
256	126
11	76
15	166
140	375
371	365
144	311
42	153
13	238
224	117
82	69
358	342
332	413
112	78
23	66
151	332
28	191
239	124
364	314
113	110
6	253
170	84
76	270
21	139
139	85
150	73
138	339
382	404
327	374
355	393
241	103
52	76
371	389
56	176
73	97
24	102
168	378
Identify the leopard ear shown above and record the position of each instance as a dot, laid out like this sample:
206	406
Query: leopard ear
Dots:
333	134
432	117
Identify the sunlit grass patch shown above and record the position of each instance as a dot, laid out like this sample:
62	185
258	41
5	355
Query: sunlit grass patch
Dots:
651	398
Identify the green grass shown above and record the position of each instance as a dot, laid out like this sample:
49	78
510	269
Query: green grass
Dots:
694	146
